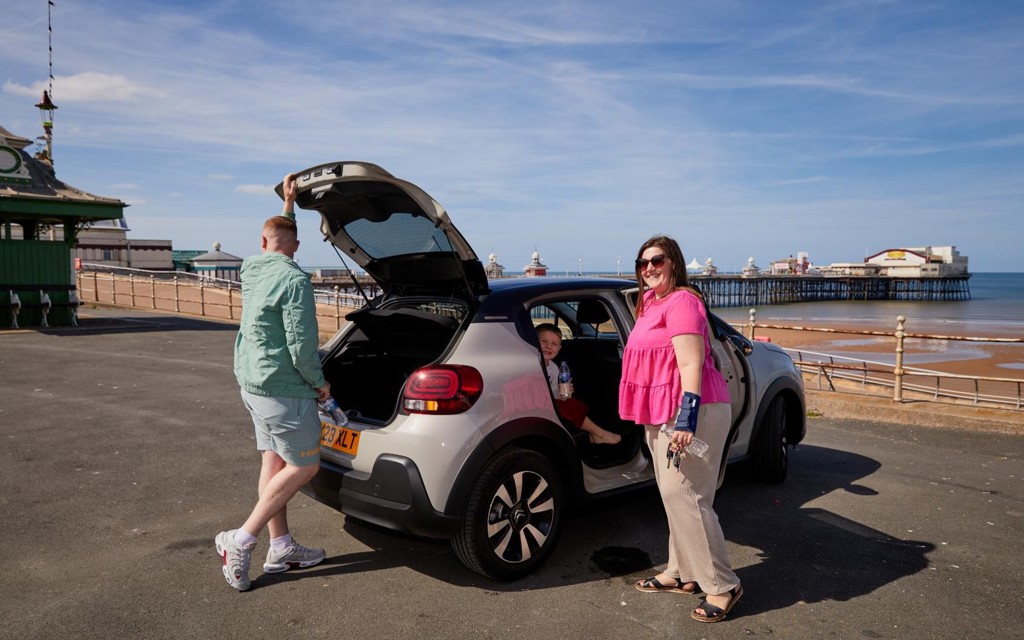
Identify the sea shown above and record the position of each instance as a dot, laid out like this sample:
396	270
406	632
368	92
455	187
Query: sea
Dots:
995	310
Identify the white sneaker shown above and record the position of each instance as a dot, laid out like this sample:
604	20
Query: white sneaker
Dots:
293	556
236	559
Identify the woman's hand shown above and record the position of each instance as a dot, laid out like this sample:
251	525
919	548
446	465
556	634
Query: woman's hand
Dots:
682	437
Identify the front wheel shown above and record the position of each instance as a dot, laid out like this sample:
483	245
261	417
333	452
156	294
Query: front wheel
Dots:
513	516
771	455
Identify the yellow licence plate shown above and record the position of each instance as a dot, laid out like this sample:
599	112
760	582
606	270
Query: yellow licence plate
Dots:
339	438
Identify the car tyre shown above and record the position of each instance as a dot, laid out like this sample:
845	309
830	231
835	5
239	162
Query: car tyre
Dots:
771	457
513	515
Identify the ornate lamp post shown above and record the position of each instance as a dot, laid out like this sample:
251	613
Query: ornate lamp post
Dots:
46	109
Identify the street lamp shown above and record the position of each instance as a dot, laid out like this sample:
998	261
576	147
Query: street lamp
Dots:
46	109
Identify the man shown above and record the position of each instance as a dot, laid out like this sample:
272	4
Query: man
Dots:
278	370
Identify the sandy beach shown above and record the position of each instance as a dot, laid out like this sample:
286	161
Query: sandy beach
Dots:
989	359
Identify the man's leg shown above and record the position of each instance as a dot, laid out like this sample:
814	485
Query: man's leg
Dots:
275	494
272	465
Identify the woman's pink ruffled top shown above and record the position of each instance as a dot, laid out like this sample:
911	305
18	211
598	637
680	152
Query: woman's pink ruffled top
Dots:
650	390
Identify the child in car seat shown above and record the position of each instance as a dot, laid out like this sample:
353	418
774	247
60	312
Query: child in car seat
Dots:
572	409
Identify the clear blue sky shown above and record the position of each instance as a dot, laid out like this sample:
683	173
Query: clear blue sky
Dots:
743	128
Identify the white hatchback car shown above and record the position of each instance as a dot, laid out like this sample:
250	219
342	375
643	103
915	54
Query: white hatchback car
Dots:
452	427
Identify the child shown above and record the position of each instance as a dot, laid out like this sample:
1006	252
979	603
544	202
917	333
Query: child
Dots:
572	409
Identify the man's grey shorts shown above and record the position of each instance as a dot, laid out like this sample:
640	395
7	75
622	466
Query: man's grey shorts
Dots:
290	427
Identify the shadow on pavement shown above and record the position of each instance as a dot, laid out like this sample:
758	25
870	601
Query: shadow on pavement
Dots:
803	554
101	325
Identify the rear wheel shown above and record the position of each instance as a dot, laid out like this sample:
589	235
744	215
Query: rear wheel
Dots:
771	454
513	516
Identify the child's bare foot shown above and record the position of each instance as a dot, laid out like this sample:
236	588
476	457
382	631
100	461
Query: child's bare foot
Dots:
605	437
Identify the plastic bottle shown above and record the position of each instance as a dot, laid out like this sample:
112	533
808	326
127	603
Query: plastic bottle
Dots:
564	381
696	447
331	409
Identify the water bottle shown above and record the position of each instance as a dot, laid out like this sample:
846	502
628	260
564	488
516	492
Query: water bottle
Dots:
333	411
696	447
564	381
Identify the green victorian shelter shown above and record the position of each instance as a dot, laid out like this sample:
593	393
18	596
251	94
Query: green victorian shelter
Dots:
37	284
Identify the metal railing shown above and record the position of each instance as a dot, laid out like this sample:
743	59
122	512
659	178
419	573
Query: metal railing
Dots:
824	368
190	293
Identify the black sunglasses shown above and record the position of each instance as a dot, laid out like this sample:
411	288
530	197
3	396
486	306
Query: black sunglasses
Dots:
655	261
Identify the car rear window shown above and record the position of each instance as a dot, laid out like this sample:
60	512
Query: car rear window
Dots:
401	234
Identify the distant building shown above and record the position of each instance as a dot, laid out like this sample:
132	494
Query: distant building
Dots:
751	270
791	266
694	265
850	269
182	258
217	265
107	242
920	262
492	268
709	268
536	267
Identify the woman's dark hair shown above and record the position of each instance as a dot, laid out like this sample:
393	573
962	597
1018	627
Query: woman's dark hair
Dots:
672	251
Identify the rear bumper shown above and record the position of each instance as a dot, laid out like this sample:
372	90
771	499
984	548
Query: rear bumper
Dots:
392	495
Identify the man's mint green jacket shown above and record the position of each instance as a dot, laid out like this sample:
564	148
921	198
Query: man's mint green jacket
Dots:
276	347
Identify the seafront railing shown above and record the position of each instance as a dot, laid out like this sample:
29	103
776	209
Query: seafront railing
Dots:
827	369
191	294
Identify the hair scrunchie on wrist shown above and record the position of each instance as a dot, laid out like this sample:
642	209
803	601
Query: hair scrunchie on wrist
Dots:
687	418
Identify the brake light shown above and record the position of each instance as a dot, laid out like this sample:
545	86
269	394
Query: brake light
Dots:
442	389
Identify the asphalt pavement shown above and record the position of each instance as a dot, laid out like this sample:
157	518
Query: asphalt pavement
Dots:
126	449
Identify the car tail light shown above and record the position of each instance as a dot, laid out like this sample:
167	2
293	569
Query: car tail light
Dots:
442	389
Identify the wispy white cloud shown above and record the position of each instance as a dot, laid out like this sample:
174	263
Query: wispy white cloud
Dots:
90	87
258	189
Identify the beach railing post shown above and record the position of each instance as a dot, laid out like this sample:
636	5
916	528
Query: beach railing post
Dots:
897	394
337	307
753	318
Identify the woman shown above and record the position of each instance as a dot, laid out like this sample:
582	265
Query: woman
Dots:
670	385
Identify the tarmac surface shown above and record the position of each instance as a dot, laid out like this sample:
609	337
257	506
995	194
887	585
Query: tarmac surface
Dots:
126	449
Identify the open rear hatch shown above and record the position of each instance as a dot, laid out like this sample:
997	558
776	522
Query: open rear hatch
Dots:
392	229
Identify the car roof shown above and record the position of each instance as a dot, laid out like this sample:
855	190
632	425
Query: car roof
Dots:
507	293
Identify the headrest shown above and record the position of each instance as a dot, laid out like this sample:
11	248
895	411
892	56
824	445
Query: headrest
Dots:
591	312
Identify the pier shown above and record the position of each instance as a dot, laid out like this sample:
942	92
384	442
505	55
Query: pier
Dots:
739	291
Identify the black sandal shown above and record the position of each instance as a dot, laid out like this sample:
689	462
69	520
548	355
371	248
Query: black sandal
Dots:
653	585
711	613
